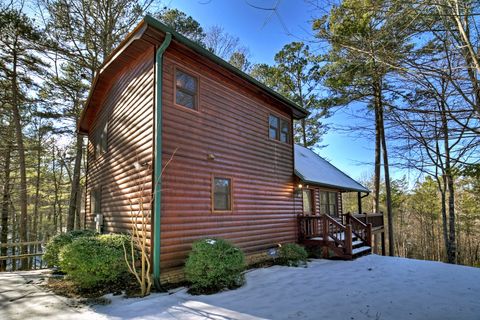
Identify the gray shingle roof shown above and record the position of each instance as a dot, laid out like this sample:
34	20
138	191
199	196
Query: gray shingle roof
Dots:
311	168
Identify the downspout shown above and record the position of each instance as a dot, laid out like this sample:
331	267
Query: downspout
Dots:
157	196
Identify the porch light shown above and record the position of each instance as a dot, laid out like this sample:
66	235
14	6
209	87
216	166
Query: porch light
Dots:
298	190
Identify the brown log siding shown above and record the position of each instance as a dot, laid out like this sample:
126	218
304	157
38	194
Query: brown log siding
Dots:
231	124
128	108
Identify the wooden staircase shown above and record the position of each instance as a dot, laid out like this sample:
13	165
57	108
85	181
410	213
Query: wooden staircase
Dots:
337	240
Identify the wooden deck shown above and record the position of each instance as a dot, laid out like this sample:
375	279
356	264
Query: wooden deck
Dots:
345	238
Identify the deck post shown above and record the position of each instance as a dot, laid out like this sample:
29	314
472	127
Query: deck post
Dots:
383	243
369	234
359	199
325	229
348	239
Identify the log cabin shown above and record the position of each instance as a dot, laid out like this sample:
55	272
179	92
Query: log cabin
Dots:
207	151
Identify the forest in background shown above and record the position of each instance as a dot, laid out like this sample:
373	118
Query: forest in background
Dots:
409	69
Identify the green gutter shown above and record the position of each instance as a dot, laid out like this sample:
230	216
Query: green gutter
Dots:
157	173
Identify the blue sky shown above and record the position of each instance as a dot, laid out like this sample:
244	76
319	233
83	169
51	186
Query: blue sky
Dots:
265	34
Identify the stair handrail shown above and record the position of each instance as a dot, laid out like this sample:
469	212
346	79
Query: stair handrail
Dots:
360	229
332	228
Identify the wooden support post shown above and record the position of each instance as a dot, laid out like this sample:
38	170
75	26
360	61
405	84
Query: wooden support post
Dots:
369	234
383	243
325	230
359	199
348	239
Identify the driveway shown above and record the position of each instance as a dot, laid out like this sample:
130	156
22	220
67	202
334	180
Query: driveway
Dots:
22	297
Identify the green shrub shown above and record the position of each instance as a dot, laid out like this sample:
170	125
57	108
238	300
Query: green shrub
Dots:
213	265
55	244
95	261
293	255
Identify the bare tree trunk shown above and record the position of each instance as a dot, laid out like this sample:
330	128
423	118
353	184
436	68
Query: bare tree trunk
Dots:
304	133
60	213
376	177
75	191
78	216
21	159
55	190
5	203
34	233
444	215
391	244
452	253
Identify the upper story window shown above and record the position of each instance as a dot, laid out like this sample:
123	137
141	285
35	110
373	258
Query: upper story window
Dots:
186	89
279	129
222	194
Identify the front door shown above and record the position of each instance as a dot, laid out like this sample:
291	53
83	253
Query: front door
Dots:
308	201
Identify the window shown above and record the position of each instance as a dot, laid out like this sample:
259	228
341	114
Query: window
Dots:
278	129
328	203
186	88
284	131
96	201
222	194
96	208
307	201
274	123
101	142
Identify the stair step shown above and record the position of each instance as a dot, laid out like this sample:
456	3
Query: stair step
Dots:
357	244
361	250
341	236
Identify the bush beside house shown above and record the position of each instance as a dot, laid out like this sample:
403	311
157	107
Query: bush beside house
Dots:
291	254
95	261
55	244
214	265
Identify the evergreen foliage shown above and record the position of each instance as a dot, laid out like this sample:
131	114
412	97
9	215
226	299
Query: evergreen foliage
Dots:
92	262
213	265
56	244
293	255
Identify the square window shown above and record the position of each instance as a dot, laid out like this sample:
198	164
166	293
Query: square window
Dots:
328	203
279	129
222	194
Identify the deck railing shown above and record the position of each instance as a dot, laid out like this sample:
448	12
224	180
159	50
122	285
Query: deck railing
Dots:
325	228
376	219
360	229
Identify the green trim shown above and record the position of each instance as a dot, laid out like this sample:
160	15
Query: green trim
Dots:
298	112
157	173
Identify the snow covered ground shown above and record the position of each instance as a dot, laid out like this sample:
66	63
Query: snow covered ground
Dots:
371	287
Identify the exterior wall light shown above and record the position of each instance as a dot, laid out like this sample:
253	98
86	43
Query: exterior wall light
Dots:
298	190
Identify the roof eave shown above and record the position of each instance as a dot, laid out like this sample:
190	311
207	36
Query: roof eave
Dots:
297	111
332	186
135	34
